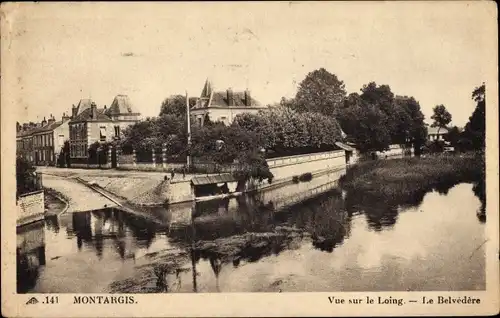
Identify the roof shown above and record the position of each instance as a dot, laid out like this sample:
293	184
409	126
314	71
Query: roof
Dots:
344	146
24	133
83	104
207	89
120	105
219	99
434	130
46	128
221	178
86	115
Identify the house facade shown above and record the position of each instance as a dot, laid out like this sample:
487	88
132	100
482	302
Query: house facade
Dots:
223	106
90	124
41	143
437	133
24	142
49	139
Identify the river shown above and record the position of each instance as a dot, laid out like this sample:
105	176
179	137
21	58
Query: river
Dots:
303	237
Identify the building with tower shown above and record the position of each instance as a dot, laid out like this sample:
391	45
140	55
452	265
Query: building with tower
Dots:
90	124
223	106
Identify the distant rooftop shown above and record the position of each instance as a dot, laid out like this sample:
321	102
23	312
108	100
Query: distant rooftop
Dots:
434	130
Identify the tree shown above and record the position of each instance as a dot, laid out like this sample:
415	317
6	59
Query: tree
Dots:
393	117
417	130
26	180
133	136
475	128
321	91
176	105
441	117
64	155
453	136
366	123
287	102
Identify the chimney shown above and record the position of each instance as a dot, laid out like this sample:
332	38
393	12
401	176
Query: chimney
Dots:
93	110
65	117
51	120
44	122
230	97
73	111
248	98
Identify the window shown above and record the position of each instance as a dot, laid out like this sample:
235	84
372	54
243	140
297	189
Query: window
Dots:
117	131
102	134
223	119
199	121
61	140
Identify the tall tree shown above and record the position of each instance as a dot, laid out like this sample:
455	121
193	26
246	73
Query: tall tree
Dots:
417	132
381	97
176	105
321	91
365	123
475	128
441	117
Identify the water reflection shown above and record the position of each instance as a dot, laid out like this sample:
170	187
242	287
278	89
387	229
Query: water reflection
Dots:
30	255
214	244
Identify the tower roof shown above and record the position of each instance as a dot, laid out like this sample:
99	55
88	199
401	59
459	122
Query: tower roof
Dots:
207	89
83	104
120	105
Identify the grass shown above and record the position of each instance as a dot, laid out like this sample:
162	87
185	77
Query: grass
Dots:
409	177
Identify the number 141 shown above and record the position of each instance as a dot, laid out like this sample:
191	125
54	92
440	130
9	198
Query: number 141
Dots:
51	299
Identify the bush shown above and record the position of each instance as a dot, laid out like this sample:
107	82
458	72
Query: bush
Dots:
407	178
306	177
295	179
26	178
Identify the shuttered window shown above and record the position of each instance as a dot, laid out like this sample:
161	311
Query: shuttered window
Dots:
102	132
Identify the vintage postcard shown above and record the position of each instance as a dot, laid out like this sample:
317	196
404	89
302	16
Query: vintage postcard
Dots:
183	159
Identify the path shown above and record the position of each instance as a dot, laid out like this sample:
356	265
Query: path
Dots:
81	198
73	173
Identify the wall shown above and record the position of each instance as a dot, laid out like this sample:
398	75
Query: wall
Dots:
394	151
31	237
30	207
61	130
287	167
179	191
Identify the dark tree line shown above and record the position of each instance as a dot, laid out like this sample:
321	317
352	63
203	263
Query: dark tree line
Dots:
312	121
373	119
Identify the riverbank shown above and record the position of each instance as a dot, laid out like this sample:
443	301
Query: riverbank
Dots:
407	178
56	203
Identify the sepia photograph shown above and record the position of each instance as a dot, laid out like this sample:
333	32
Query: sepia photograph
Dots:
281	147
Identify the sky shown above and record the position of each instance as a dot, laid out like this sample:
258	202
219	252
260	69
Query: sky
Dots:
433	51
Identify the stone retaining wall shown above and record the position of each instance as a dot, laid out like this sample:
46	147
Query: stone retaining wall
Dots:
30	207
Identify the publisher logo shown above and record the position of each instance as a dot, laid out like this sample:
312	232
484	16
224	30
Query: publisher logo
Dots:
32	301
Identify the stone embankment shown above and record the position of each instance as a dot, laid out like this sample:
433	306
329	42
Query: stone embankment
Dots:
158	188
137	190
79	197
